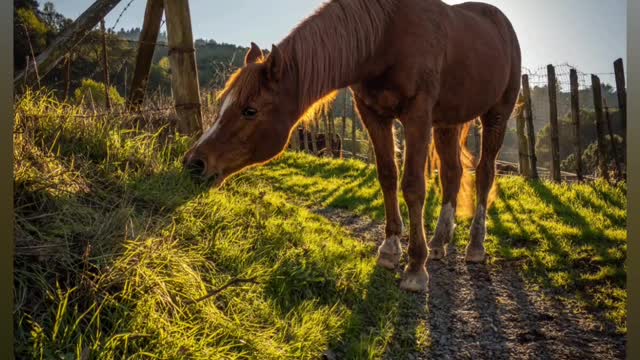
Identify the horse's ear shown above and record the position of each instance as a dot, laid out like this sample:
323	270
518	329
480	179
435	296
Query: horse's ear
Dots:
274	64
253	54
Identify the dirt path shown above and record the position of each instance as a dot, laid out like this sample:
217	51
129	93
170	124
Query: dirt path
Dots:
487	311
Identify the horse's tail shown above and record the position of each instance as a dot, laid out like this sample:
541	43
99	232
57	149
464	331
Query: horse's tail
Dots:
466	196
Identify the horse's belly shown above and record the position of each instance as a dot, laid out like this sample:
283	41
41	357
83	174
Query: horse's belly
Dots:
384	101
468	92
451	114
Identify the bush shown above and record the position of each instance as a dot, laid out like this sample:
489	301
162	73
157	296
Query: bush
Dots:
590	156
95	90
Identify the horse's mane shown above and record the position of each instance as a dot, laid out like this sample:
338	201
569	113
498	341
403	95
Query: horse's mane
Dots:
324	51
326	48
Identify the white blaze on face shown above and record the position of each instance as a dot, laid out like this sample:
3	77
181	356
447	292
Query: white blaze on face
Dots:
228	100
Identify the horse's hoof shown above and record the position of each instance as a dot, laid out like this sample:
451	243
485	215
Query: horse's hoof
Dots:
437	253
474	255
415	281
390	252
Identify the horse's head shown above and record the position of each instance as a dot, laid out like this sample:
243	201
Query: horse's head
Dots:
258	110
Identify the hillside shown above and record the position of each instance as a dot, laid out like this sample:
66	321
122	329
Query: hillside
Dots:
116	251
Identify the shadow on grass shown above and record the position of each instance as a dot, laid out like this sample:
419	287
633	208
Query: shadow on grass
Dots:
383	322
606	196
560	267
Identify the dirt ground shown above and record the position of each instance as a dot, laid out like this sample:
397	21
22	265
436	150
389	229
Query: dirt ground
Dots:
487	311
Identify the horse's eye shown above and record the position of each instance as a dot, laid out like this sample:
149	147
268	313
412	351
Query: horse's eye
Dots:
249	112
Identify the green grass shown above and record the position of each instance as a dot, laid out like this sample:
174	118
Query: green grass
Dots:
570	237
114	242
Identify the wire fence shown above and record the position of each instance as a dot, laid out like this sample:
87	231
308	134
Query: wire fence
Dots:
539	77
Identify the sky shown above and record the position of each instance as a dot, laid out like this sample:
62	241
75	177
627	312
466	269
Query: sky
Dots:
588	34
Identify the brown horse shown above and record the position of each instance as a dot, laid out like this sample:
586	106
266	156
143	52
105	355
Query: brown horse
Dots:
431	65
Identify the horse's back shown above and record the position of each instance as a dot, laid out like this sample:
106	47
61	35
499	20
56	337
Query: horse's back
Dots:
483	60
491	19
466	51
509	39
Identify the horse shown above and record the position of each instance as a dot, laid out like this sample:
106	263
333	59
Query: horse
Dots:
435	67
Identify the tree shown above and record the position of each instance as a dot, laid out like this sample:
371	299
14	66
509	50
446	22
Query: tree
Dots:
55	21
30	32
590	157
565	132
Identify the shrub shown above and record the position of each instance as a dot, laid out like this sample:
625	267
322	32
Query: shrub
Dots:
95	90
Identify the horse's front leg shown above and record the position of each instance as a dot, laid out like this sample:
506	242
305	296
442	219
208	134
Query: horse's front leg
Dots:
417	123
380	131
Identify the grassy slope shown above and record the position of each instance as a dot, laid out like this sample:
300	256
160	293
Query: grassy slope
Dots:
113	243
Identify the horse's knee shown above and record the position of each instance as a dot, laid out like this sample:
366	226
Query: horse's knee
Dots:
413	189
388	176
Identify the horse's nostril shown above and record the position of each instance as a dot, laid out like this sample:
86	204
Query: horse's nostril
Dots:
196	167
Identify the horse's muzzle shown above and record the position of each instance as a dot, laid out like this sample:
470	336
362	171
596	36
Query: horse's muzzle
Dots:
197	168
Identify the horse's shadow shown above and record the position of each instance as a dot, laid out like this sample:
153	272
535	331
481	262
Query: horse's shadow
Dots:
384	323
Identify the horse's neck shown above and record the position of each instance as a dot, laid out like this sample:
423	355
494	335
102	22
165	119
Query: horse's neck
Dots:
328	49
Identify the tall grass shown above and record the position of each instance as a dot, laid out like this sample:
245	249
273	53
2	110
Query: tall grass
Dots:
114	247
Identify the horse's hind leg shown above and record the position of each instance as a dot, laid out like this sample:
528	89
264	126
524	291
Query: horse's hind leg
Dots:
494	124
381	133
447	145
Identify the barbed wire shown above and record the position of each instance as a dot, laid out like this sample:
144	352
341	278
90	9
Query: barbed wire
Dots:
124	10
539	77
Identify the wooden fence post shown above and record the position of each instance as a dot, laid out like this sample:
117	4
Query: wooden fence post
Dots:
184	73
126	79
144	56
332	127
33	56
354	140
332	123
314	139
370	154
305	137
553	121
105	65
523	153
327	132
294	139
344	121
26	72
621	90
477	127
614	150
597	103
531	135
67	76
65	42
575	119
